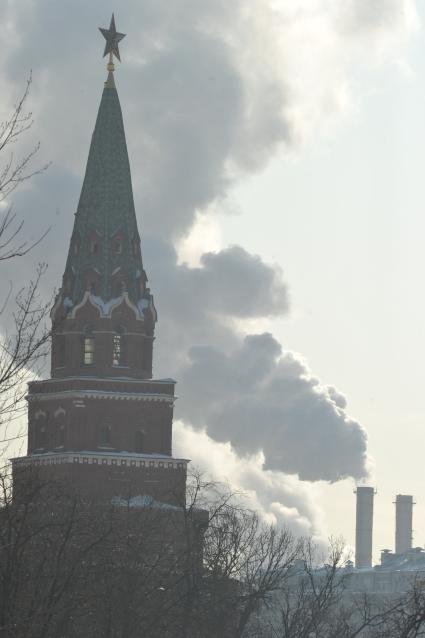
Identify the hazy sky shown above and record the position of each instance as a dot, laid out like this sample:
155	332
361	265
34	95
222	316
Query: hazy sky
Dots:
277	152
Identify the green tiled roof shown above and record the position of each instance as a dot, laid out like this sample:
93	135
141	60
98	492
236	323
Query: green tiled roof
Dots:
106	212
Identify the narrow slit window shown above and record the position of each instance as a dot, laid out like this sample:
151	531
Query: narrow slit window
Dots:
140	441
105	435
88	350
42	436
60	435
60	345
117	350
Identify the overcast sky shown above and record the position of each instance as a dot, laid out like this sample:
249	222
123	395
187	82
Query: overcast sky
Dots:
277	150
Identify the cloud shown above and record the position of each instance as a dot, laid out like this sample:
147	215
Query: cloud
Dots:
386	22
198	305
228	283
246	391
265	401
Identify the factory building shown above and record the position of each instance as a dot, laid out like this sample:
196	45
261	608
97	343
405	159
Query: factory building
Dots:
397	569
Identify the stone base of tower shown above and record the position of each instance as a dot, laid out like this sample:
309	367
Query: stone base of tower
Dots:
118	562
107	477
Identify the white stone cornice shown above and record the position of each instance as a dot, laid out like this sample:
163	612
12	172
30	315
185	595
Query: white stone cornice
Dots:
130	380
99	394
117	459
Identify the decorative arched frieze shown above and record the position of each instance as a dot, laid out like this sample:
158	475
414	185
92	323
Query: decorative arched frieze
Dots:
106	308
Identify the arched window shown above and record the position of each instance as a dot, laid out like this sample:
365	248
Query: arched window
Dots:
139	443
105	436
67	284
59	427
94	247
76	243
40	430
118	247
60	350
118	347
88	348
60	435
41	435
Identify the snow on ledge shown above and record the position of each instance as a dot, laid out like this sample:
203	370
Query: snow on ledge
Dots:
143	501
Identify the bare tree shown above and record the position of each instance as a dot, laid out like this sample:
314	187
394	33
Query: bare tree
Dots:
402	616
16	171
196	570
23	343
203	569
231	565
306	604
317	602
48	540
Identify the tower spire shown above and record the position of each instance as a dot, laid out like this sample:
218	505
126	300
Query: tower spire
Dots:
104	270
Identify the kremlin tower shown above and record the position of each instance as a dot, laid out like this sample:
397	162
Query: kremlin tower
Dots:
102	422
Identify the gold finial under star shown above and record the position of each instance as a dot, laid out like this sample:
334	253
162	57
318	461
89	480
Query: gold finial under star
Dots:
112	40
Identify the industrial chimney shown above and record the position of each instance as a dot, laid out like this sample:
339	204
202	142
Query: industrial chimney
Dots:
403	523
364	525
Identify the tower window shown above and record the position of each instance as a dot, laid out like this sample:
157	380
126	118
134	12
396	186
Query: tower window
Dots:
117	353
105	435
88	352
60	349
118	247
94	247
139	443
93	288
76	243
67	284
60	435
41	441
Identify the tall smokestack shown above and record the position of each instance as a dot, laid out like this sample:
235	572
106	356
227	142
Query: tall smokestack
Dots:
364	525
403	523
